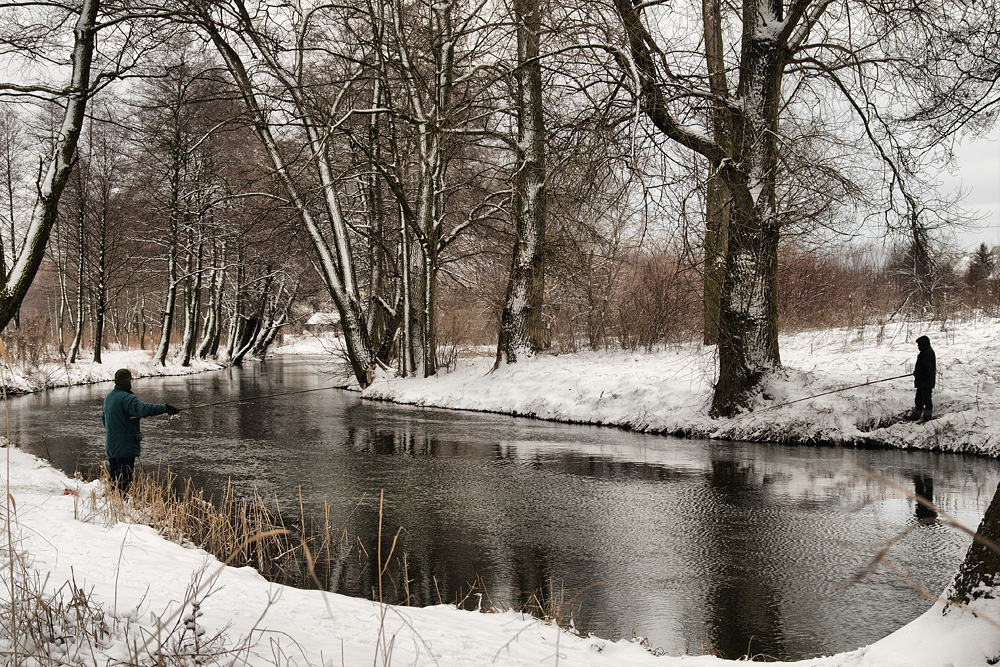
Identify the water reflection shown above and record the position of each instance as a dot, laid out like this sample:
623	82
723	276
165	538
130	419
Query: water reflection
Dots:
923	488
693	544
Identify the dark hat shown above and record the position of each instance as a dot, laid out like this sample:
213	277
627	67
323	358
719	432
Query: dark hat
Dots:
923	342
123	377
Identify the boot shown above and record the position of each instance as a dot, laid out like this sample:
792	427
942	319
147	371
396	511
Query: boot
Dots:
925	415
913	415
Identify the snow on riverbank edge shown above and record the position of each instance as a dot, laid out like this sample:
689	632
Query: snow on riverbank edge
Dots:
138	577
670	391
139	581
26	378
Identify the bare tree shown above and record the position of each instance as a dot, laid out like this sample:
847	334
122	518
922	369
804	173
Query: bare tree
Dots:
11	189
18	277
728	98
522	329
227	25
979	574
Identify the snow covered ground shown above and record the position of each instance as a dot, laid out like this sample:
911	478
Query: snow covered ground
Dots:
670	391
22	376
142	583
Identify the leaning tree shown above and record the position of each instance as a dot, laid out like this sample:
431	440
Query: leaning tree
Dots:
56	169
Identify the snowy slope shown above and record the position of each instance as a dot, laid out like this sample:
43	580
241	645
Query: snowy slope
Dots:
142	584
670	391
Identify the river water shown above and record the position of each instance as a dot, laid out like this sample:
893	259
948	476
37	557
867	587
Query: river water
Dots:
695	545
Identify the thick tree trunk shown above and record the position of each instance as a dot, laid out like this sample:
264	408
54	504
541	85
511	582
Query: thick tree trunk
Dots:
748	346
50	187
979	575
716	242
522	329
743	152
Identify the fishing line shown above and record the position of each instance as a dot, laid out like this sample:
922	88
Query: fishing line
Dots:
834	391
257	398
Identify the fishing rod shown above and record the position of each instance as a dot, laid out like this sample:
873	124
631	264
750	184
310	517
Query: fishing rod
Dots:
834	391
247	400
257	398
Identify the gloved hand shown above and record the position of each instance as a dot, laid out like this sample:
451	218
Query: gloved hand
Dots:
171	410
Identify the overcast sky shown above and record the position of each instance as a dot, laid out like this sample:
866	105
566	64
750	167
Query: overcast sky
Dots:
978	173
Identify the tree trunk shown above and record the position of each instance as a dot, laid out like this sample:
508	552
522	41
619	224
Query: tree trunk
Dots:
192	302
210	335
979	574
217	282
50	187
74	347
522	330
429	337
406	363
169	307
100	291
745	158
336	262
717	200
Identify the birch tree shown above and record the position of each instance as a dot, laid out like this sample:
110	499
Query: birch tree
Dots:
282	66
12	164
439	89
56	169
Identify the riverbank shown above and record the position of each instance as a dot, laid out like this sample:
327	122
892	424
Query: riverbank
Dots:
122	594
670	391
139	585
23	376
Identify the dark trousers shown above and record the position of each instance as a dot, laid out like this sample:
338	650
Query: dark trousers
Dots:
922	401
120	470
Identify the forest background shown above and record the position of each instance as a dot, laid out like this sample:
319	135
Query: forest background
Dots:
197	176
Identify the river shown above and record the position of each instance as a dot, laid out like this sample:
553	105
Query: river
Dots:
695	545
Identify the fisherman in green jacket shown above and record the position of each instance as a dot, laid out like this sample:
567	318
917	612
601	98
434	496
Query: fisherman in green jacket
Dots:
121	415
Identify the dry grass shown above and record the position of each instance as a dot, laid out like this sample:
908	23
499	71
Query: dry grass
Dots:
43	625
241	531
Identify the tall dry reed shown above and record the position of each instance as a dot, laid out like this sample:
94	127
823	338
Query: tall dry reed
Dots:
304	552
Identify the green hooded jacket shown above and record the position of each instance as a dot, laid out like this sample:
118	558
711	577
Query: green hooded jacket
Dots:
122	436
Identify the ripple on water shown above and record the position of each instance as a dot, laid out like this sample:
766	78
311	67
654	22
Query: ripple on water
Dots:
686	542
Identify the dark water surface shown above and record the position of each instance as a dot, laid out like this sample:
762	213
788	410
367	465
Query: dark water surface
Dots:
694	544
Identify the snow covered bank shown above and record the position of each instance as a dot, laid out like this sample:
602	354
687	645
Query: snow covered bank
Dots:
30	377
140	584
670	391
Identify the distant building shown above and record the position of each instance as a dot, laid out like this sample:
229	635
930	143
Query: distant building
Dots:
323	323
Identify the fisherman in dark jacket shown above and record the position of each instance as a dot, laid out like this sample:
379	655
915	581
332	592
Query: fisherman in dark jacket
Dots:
121	415
924	372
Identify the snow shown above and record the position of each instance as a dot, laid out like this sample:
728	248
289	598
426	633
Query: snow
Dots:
326	319
143	583
23	376
670	391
